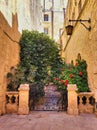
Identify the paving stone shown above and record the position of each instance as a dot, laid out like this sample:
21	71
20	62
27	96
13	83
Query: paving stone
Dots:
48	121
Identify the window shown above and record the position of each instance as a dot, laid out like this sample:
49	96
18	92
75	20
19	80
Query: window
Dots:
46	30
46	17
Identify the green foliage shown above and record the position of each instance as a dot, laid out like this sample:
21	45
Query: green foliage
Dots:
40	63
73	75
20	76
57	66
38	56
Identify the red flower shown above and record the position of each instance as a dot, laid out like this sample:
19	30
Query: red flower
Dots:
80	73
61	81
56	79
71	76
76	64
66	82
63	69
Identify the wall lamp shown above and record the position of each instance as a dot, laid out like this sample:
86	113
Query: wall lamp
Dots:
69	28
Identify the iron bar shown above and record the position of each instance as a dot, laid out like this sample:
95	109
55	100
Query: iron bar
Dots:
52	20
80	20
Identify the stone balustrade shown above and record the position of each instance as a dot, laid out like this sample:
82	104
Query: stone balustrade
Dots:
86	102
18	102
12	101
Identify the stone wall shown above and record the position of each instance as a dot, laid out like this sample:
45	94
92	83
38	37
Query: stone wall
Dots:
29	13
9	53
84	42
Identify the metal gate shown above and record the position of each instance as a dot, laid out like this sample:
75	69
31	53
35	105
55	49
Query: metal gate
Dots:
52	101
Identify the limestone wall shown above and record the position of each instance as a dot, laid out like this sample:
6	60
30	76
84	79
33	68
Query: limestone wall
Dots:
9	53
84	42
29	13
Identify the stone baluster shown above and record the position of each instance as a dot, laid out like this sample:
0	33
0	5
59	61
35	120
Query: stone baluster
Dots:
81	101
87	107
16	99
12	107
87	101
10	96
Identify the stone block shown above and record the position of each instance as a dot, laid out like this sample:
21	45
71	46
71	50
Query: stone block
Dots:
11	108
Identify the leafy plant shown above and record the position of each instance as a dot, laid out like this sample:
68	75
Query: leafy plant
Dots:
38	59
73	75
20	76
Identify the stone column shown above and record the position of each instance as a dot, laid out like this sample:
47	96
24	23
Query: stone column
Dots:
95	102
2	94
2	102
23	99
72	99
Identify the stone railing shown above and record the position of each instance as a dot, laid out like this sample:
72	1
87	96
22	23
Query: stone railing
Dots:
18	101
86	102
12	101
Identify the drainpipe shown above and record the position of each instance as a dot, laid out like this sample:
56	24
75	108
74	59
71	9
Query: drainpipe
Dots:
52	18
44	5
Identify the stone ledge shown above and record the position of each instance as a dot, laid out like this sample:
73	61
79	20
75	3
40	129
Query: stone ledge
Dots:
24	87
72	87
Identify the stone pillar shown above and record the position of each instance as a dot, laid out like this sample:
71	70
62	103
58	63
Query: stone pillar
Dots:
2	94
95	102
2	103
23	99
72	99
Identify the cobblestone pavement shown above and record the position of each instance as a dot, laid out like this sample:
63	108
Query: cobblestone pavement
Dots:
48	121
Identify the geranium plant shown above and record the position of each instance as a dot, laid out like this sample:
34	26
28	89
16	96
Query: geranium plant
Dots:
73	74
